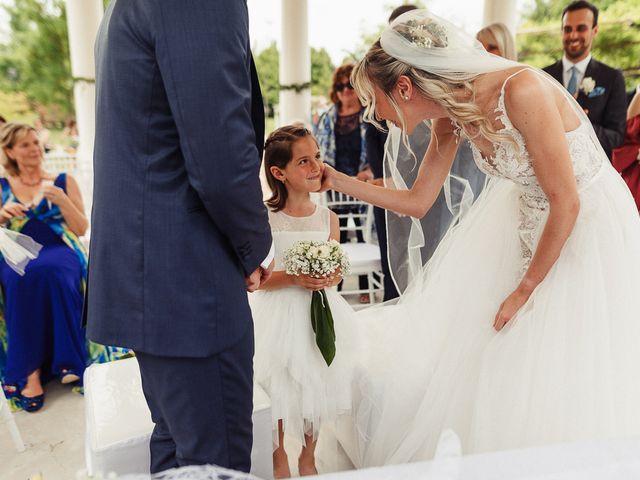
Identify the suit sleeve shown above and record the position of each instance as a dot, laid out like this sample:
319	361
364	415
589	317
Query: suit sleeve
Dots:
610	130
202	50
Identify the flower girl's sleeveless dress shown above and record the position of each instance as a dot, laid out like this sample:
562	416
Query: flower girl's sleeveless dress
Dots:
305	392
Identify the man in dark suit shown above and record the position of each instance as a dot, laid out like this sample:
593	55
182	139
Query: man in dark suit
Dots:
598	88
179	230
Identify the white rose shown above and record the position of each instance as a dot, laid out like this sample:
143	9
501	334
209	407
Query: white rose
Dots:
325	251
587	85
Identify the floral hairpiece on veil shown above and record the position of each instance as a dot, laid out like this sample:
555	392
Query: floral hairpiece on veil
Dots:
424	33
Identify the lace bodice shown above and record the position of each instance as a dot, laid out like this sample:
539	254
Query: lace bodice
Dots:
288	230
512	162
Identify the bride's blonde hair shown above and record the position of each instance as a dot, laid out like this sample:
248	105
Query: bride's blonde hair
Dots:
380	69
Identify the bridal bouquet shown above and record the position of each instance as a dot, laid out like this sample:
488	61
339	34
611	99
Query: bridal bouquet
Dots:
318	259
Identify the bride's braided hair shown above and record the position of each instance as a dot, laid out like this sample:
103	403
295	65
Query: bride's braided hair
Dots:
277	153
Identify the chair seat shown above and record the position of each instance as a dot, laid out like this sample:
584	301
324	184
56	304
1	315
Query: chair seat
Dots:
119	426
364	257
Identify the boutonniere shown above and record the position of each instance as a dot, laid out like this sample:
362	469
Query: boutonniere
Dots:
587	85
589	88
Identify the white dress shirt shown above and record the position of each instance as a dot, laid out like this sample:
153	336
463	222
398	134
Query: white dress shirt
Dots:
581	66
267	261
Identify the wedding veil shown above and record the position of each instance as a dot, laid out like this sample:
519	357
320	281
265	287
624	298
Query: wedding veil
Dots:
430	43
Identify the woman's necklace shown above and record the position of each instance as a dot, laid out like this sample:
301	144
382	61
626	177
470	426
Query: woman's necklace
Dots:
30	184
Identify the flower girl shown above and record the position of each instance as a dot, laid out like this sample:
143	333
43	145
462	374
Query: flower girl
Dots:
305	392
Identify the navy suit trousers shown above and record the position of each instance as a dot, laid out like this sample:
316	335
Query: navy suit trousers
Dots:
202	407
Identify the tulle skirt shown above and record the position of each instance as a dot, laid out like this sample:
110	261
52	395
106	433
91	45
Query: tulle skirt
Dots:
306	394
566	368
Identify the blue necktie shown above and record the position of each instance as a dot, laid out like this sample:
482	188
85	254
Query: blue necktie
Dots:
573	81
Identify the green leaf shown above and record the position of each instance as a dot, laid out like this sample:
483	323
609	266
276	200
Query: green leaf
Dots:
323	327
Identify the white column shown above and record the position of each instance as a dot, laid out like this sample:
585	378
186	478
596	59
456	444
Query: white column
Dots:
295	63
505	11
83	20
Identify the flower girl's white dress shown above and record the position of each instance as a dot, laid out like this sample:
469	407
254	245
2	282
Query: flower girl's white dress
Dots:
305	392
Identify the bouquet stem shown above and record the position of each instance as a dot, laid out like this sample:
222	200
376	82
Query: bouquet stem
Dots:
322	324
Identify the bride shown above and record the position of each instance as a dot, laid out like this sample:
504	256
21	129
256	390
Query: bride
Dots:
523	329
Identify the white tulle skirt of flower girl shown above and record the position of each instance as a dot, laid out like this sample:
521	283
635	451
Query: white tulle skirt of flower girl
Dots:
306	394
567	368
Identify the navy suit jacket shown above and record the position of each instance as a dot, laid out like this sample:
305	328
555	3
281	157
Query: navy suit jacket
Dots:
608	111
178	219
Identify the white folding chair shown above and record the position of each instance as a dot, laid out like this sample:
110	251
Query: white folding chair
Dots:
357	216
7	417
57	162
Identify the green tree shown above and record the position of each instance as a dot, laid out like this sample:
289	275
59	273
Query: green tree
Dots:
617	44
321	72
268	67
16	107
369	37
36	59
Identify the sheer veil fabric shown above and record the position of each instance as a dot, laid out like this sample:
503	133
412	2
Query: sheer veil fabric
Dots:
435	45
566	367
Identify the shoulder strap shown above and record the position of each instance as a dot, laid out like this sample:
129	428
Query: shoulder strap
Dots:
326	213
6	189
61	181
504	84
504	117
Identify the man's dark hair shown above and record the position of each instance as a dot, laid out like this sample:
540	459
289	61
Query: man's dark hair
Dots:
579	5
400	10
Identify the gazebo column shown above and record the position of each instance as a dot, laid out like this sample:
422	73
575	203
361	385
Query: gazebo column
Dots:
295	64
504	11
83	20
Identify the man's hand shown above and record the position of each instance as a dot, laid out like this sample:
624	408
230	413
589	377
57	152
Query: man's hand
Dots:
265	274
252	282
260	275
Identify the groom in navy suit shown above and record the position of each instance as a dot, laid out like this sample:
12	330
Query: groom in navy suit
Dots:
179	230
598	88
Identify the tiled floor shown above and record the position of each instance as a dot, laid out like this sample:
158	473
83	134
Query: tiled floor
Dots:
54	438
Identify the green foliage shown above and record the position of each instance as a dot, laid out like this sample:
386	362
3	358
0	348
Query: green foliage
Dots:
321	72
36	60
268	66
15	107
370	37
617	44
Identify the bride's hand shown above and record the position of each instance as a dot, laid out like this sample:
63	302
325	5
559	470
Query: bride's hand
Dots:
328	174
509	308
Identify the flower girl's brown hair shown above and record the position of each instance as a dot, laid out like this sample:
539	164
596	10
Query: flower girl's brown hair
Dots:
277	153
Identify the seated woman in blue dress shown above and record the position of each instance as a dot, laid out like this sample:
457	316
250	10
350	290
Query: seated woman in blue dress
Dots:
42	310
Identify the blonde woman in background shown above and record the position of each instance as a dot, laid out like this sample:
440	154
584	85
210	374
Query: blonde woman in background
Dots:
497	39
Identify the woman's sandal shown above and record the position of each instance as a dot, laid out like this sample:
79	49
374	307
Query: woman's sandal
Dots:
32	404
10	391
68	376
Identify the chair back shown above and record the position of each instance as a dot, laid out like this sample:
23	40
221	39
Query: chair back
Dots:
358	214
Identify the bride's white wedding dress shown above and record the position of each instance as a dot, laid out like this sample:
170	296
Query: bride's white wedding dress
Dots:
566	368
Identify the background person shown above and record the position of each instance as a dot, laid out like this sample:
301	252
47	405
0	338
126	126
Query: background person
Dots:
598	88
